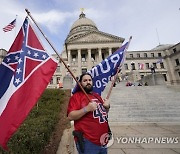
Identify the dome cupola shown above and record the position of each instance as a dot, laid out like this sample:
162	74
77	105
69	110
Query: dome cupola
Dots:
81	26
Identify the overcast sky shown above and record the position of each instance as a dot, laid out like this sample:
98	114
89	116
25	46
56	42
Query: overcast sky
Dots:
150	22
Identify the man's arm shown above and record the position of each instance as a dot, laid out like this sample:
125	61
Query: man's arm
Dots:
77	114
106	104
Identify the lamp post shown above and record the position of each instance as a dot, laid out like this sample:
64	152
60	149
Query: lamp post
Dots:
132	65
153	71
132	71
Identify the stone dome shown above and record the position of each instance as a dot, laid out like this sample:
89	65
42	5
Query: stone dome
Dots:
81	26
82	21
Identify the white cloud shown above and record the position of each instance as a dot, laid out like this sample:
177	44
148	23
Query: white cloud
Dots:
138	18
52	19
8	11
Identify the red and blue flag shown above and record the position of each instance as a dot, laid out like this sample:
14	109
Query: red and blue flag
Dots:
10	26
24	74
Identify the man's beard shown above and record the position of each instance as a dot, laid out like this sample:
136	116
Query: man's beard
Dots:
88	88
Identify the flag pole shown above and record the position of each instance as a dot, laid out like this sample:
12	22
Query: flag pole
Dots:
29	14
118	70
15	26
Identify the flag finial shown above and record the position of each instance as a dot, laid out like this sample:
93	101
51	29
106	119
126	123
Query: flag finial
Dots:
82	10
82	15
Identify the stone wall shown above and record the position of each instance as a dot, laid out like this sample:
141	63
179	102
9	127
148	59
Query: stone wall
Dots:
154	79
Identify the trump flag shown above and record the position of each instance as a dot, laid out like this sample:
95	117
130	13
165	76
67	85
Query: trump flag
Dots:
103	72
24	74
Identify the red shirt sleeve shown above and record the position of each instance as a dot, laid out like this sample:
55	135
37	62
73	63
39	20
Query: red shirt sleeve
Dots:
73	104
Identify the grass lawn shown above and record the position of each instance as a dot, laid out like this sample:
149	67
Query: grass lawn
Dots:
42	130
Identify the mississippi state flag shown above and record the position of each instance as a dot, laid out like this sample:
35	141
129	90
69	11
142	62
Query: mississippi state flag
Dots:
24	74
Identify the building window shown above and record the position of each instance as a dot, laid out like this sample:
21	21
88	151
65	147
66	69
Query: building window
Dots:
58	69
142	76
154	65
58	80
93	58
84	70
51	82
133	66
165	77
159	55
161	65
57	58
114	49
126	66
83	57
152	54
145	54
138	55
103	56
177	62
73	57
131	55
179	74
174	50
147	65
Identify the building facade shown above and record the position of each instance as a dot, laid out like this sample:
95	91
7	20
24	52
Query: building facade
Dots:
3	53
86	46
164	59
172	59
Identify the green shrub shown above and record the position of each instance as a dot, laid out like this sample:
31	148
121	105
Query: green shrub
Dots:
36	130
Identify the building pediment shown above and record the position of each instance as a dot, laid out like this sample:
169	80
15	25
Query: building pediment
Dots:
95	37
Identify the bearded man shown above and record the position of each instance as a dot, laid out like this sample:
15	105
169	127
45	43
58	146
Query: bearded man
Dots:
90	118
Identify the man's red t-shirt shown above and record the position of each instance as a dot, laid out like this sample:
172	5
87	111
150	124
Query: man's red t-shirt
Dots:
92	124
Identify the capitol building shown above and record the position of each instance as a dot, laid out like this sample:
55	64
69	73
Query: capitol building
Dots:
86	46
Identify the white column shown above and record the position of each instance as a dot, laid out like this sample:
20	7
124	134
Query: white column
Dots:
54	80
100	55
69	57
79	62
89	60
170	73
110	51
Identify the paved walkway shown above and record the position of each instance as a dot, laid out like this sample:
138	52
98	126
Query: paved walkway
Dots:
150	125
145	139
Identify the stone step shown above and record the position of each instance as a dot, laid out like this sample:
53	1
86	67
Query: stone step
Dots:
136	108
149	119
151	103
144	113
150	106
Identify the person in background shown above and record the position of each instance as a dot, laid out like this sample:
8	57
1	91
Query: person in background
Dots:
145	84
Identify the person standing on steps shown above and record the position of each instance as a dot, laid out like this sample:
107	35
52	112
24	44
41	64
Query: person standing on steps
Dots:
90	119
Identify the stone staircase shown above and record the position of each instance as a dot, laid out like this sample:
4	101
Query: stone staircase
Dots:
144	104
138	112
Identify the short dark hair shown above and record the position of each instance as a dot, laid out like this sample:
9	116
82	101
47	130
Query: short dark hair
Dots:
80	78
